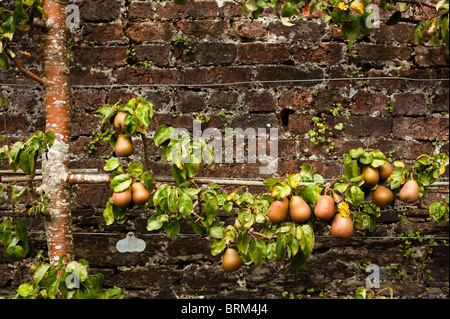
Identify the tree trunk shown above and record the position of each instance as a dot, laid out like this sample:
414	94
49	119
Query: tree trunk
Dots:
57	103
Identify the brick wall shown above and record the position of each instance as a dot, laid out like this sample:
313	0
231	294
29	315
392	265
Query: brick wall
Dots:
131	42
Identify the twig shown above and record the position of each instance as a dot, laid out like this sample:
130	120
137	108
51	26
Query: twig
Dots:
27	72
146	155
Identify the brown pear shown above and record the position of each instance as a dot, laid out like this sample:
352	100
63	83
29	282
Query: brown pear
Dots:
385	171
299	210
341	227
124	146
119	122
231	260
382	196
371	176
278	210
409	192
324	208
122	199
140	193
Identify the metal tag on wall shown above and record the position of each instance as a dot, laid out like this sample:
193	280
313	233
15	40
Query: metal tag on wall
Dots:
130	244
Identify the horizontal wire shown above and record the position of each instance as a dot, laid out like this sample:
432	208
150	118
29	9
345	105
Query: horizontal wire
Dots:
188	234
235	83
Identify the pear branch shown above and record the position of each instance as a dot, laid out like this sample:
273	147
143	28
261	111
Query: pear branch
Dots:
25	71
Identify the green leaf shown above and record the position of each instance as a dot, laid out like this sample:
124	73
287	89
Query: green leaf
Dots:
27	161
149	180
351	170
120	183
40	273
180	2
172	227
25	289
349	31
178	174
78	270
287	10
185	205
299	260
111	164
135	169
257	251
162	134
281	246
108	215
4	61
217	232
172	200
154	223
355	194
394	18
15	253
217	246
305	236
243	241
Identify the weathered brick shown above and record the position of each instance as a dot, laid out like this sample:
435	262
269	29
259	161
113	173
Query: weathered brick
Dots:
111	56
325	53
401	33
203	29
379	54
440	103
224	100
263	53
142	10
217	75
284	73
198	9
153	53
89	100
303	31
14	123
103	32
250	29
300	124
261	101
420	128
365	126
409	104
153	31
207	53
100	10
296	100
365	102
187	101
406	149
430	56
83	76
148	76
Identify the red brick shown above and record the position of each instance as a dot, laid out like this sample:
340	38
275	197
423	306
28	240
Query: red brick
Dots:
111	56
285	72
83	76
401	33
202	29
188	101
217	75
364	126
14	123
365	102
142	10
440	103
263	53
153	31
99	32
198	9
153	53
378	54
405	149
300	124
430	56
89	100
296	100
409	104
223	100
420	128
247	29
100	10
325	53
148	76
206	53
260	101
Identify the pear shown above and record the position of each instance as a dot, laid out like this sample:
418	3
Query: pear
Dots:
299	209
278	210
324	208
140	194
382	196
231	260
124	146
122	199
119	122
385	171
371	176
341	227
409	192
